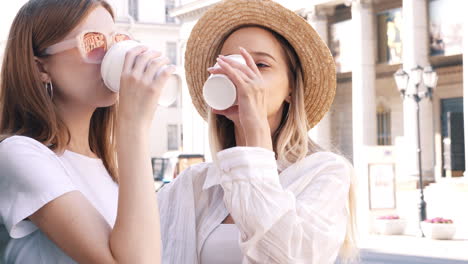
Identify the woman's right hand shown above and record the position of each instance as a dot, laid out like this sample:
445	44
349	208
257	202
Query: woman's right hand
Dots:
136	236
145	72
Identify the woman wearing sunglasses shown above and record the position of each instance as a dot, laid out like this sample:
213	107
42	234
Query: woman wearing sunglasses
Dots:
63	199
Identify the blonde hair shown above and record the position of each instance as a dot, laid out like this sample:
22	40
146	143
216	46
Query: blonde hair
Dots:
291	142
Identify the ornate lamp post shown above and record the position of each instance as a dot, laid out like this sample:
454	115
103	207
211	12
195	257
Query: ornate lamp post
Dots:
429	78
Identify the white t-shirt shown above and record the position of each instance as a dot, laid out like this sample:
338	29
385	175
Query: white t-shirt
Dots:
31	175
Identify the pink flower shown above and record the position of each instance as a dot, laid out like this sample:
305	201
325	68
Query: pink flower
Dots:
388	217
439	220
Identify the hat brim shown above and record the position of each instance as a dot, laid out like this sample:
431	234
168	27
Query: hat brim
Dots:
212	29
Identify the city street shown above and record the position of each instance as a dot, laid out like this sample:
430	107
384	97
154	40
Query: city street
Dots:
412	250
373	257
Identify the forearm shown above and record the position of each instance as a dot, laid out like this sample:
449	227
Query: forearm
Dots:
136	234
258	134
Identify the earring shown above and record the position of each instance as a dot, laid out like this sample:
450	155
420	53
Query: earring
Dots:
50	89
287	113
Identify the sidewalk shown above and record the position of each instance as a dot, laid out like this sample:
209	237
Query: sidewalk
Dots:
416	246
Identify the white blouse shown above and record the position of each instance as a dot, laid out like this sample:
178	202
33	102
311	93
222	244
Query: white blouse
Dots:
297	216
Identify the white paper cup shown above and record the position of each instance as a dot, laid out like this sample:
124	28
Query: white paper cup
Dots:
112	67
219	91
170	92
113	61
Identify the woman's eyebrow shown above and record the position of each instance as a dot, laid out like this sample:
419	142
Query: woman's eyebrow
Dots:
258	53
261	53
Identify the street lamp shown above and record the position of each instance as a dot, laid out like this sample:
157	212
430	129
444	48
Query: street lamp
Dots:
429	78
401	79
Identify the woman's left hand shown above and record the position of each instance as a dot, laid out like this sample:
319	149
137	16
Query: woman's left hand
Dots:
251	98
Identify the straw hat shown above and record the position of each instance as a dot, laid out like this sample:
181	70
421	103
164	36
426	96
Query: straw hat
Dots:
210	32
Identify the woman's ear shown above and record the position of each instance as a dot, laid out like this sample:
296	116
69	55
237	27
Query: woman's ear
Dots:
288	98
45	77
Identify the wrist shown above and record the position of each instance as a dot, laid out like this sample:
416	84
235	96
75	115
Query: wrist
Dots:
259	136
131	131
130	122
130	119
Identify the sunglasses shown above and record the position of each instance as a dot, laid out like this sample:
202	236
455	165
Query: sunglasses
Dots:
92	44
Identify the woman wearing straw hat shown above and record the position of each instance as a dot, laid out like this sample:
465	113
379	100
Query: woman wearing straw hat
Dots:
271	195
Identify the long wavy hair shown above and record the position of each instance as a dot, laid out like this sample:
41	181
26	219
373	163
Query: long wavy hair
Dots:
291	142
26	108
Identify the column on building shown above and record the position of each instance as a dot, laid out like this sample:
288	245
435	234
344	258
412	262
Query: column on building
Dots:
194	128
416	52
318	19
363	75
465	87
363	101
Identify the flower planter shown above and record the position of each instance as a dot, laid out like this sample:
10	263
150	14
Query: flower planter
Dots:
390	226
442	231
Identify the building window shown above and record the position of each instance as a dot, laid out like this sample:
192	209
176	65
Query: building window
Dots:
446	27
181	136
133	9
172	137
453	141
384	126
389	34
170	4
342	45
171	52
